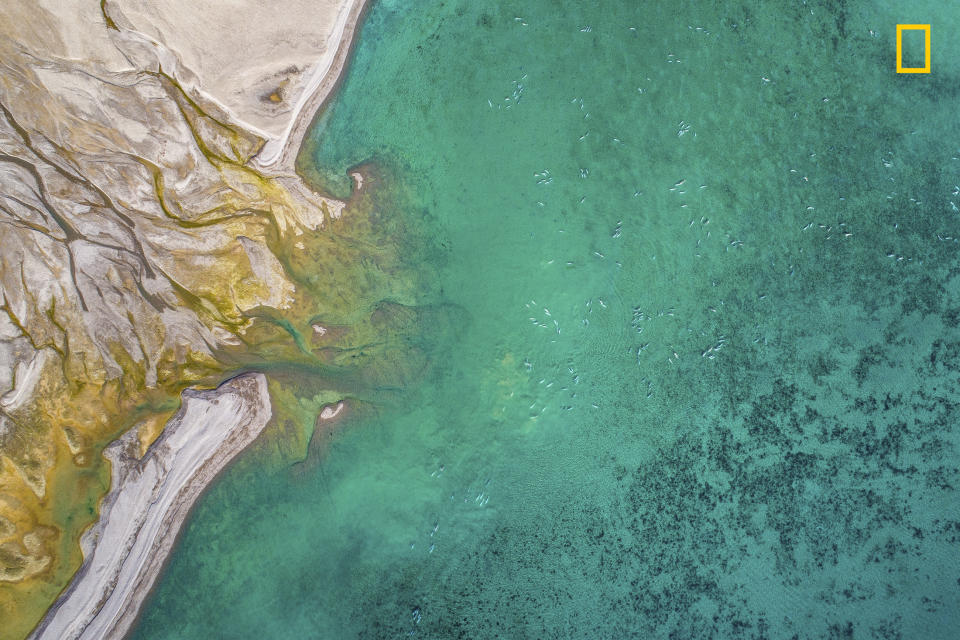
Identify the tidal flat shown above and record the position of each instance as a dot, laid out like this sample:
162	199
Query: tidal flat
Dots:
684	355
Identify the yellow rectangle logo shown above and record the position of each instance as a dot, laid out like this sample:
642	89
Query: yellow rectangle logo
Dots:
926	50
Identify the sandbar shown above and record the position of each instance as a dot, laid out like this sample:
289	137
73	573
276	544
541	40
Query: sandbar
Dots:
148	503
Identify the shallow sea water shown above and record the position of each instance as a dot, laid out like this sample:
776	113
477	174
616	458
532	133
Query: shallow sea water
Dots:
701	377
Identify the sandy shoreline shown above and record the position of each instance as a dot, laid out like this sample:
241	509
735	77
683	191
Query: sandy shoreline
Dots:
149	500
280	154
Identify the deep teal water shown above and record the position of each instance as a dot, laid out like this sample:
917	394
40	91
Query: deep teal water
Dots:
701	376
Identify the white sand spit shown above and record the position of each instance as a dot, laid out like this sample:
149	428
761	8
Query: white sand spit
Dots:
149	501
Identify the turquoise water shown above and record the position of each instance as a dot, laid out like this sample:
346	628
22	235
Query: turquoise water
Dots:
698	377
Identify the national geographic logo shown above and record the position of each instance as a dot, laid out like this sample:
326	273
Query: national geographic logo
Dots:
926	48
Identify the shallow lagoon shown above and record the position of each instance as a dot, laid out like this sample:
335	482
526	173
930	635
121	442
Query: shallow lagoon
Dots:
696	373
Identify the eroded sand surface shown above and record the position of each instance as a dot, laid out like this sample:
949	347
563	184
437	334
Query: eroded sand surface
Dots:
262	62
135	214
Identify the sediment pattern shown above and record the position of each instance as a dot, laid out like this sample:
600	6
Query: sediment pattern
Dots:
152	495
136	241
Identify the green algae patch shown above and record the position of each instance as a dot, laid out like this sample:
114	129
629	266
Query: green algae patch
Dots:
358	330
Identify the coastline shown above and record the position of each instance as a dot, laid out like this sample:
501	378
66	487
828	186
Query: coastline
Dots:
279	155
150	498
148	503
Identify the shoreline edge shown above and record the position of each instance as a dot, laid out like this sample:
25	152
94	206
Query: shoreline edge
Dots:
138	525
148	503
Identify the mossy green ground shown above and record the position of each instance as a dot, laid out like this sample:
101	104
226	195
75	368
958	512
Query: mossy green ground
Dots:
691	369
